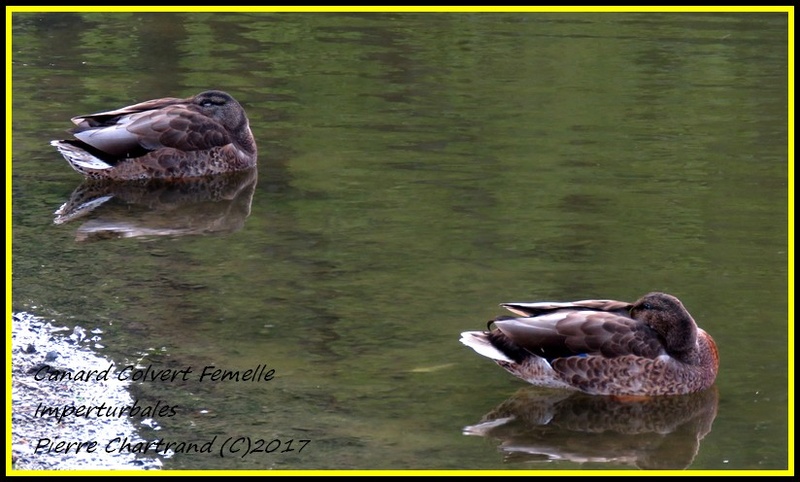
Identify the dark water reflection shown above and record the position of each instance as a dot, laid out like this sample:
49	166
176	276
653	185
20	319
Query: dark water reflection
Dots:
210	205
415	170
658	433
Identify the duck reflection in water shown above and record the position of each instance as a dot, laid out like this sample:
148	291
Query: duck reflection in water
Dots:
542	425
206	205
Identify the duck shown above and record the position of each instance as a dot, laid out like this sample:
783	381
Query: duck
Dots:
168	138
651	347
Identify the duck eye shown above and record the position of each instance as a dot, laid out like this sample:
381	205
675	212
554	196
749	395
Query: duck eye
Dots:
206	103
647	306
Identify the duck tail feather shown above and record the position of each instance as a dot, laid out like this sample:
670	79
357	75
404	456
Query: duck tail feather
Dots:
479	341
78	158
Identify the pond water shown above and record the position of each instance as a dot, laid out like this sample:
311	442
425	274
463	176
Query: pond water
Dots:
416	170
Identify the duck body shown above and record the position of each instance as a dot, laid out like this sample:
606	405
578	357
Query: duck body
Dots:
167	138
605	347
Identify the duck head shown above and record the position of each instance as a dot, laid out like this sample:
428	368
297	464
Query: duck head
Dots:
224	109
669	318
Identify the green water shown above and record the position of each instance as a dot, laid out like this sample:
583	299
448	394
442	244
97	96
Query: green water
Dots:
416	170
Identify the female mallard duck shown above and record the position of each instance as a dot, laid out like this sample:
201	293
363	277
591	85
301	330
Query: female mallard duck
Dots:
163	138
604	347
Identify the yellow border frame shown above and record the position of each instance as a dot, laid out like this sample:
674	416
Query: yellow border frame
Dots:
419	9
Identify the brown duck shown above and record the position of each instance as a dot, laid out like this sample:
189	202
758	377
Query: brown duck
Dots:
167	138
605	347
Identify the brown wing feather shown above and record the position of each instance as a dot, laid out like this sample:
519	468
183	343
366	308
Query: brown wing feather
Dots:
580	333
110	117
180	128
541	308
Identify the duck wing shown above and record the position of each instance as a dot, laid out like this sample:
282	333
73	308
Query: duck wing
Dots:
163	123
540	308
108	118
562	334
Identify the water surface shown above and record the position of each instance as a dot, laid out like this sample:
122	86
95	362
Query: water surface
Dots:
416	170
